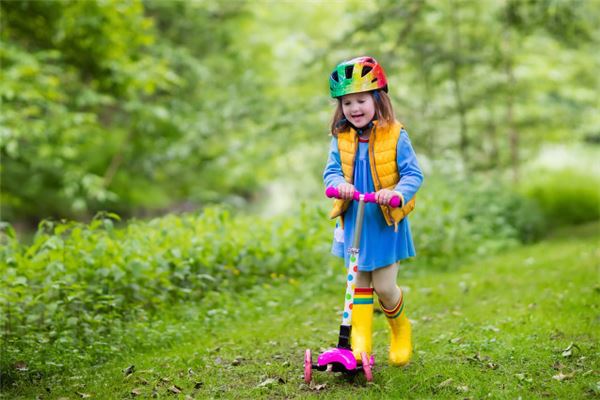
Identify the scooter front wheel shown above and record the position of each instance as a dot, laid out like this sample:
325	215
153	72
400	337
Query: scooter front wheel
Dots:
366	366
307	366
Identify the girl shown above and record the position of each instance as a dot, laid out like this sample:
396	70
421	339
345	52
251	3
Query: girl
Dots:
370	152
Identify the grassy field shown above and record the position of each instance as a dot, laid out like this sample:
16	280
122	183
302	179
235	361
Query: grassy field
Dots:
525	324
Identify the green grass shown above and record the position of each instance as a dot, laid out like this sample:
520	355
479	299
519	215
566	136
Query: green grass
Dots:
496	329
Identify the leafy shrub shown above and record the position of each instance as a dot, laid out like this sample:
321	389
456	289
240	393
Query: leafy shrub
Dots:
78	284
456	218
77	288
567	196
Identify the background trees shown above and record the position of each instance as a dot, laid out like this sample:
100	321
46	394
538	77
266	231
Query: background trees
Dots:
139	107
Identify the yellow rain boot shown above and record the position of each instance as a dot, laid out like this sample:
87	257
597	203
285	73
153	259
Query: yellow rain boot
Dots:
362	322
401	338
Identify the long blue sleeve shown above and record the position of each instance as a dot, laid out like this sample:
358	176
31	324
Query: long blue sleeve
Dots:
333	175
411	176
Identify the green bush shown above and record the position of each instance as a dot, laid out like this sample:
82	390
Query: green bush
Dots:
567	196
457	218
77	284
76	291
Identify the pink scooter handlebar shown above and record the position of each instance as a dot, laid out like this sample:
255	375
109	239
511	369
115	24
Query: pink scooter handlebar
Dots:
369	197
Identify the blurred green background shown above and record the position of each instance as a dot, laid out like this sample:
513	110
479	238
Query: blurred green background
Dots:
144	108
166	154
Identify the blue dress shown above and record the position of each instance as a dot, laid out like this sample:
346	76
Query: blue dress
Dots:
380	245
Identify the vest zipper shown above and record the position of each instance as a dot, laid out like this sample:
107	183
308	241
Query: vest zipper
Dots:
354	155
385	210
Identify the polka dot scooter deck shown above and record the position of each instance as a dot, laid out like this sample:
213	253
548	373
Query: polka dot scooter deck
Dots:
340	358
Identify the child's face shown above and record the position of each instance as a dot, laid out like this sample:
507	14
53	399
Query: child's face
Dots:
358	108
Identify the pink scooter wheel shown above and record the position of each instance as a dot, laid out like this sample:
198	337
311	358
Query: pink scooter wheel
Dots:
366	365
307	366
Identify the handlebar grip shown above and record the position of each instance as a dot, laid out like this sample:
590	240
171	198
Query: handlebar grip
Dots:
395	202
332	192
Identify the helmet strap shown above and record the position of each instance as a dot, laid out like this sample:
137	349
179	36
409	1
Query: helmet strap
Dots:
361	131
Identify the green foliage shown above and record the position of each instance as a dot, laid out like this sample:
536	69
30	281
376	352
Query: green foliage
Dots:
77	284
72	97
503	327
456	219
566	196
128	106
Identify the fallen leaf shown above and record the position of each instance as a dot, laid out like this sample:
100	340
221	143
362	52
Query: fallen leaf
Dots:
21	366
191	372
129	370
445	383
558	366
462	388
478	358
455	340
492	365
316	387
568	352
267	382
491	328
270	381
563	377
175	389
135	392
523	377
83	395
237	361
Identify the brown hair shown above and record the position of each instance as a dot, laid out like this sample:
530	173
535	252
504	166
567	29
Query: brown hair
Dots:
384	112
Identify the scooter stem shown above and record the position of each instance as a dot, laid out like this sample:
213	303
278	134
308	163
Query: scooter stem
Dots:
360	213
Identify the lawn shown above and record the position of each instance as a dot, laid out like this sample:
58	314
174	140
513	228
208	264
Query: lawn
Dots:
524	324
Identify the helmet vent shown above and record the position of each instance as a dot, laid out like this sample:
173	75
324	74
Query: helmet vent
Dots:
334	76
349	70
373	80
365	71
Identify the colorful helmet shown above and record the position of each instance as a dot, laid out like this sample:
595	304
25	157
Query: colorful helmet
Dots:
360	74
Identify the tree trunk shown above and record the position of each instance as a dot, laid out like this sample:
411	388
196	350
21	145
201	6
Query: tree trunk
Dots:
492	132
513	133
116	161
455	76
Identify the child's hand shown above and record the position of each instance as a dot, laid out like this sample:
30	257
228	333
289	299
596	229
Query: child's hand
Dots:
346	190
384	196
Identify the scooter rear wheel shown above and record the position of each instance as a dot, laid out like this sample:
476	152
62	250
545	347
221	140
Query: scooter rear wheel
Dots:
307	366
366	365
